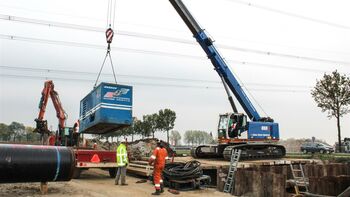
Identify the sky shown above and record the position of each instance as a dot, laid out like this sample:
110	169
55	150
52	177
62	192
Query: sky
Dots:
277	49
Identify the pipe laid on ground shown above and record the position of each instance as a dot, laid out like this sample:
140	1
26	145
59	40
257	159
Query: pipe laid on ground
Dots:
33	163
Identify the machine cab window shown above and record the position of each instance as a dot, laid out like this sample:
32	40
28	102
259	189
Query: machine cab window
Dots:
223	124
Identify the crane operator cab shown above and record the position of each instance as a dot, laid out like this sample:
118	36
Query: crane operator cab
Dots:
231	125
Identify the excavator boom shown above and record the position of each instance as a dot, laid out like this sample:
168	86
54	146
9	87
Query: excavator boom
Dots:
46	93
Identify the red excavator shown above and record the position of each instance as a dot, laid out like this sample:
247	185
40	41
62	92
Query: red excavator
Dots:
67	136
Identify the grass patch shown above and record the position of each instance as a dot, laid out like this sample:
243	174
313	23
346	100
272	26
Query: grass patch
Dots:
183	152
335	157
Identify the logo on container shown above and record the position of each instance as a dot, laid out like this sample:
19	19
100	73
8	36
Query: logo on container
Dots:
116	93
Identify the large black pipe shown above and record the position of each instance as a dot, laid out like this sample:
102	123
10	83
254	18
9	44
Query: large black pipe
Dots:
33	163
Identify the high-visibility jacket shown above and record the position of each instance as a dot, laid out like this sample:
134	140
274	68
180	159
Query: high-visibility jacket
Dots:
159	156
122	155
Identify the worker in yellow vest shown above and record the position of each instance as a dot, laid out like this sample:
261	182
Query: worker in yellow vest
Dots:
122	162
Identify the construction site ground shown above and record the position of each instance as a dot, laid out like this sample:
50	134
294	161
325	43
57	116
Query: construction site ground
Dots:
96	183
214	163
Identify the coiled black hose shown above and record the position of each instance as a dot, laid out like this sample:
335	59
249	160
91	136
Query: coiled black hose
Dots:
182	171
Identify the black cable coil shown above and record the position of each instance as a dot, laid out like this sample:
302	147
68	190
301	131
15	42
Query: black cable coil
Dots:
32	163
182	171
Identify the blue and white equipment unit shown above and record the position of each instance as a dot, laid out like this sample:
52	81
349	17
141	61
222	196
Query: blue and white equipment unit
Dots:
107	108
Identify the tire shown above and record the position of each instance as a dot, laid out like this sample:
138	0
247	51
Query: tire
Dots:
112	172
322	151
305	151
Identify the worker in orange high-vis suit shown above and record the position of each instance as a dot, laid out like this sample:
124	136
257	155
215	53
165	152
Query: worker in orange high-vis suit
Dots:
157	159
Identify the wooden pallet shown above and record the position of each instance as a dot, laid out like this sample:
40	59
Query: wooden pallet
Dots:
140	168
190	184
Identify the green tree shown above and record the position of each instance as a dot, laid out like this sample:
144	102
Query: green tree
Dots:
31	136
332	95
166	120
142	128
175	137
112	135
138	127
5	133
209	138
133	132
125	132
17	130
189	137
152	122
198	137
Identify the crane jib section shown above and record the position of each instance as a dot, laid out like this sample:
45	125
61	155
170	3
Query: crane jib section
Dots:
225	72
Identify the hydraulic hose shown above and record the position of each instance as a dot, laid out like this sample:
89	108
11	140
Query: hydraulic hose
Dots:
182	171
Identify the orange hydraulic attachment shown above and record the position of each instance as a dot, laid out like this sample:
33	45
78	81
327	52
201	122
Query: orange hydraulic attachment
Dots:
49	91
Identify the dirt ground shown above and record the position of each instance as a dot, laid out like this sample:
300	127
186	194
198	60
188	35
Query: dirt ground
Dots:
96	183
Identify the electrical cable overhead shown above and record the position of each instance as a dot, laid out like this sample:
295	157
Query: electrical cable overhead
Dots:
149	84
315	20
167	79
168	39
158	53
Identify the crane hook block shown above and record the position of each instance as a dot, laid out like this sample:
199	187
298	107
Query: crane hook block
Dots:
109	35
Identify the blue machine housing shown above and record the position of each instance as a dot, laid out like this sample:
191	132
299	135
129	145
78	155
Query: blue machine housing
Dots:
263	130
107	108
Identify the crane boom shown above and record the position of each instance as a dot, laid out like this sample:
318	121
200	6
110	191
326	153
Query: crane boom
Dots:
261	132
218	62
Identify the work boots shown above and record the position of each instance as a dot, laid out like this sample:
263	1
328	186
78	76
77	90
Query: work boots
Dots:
157	192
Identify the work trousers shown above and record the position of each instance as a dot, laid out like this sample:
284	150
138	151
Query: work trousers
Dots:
157	176
121	172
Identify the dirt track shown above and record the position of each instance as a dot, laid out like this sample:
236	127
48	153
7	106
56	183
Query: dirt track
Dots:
95	183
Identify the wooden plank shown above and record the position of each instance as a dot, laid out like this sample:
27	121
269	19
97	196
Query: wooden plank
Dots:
139	162
329	185
140	166
138	171
221	177
257	184
43	188
240	183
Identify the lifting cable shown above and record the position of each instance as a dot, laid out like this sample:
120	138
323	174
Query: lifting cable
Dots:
109	37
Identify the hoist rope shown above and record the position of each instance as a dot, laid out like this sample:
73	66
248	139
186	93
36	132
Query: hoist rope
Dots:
110	20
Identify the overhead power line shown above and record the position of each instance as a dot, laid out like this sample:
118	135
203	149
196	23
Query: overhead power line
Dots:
73	72
149	52
299	16
19	77
166	38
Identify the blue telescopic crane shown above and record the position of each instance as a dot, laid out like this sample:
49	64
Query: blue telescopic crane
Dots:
257	137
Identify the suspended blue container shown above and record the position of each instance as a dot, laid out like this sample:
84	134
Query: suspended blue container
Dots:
107	108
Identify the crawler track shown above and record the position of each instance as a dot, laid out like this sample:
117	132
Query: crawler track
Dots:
256	151
249	151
